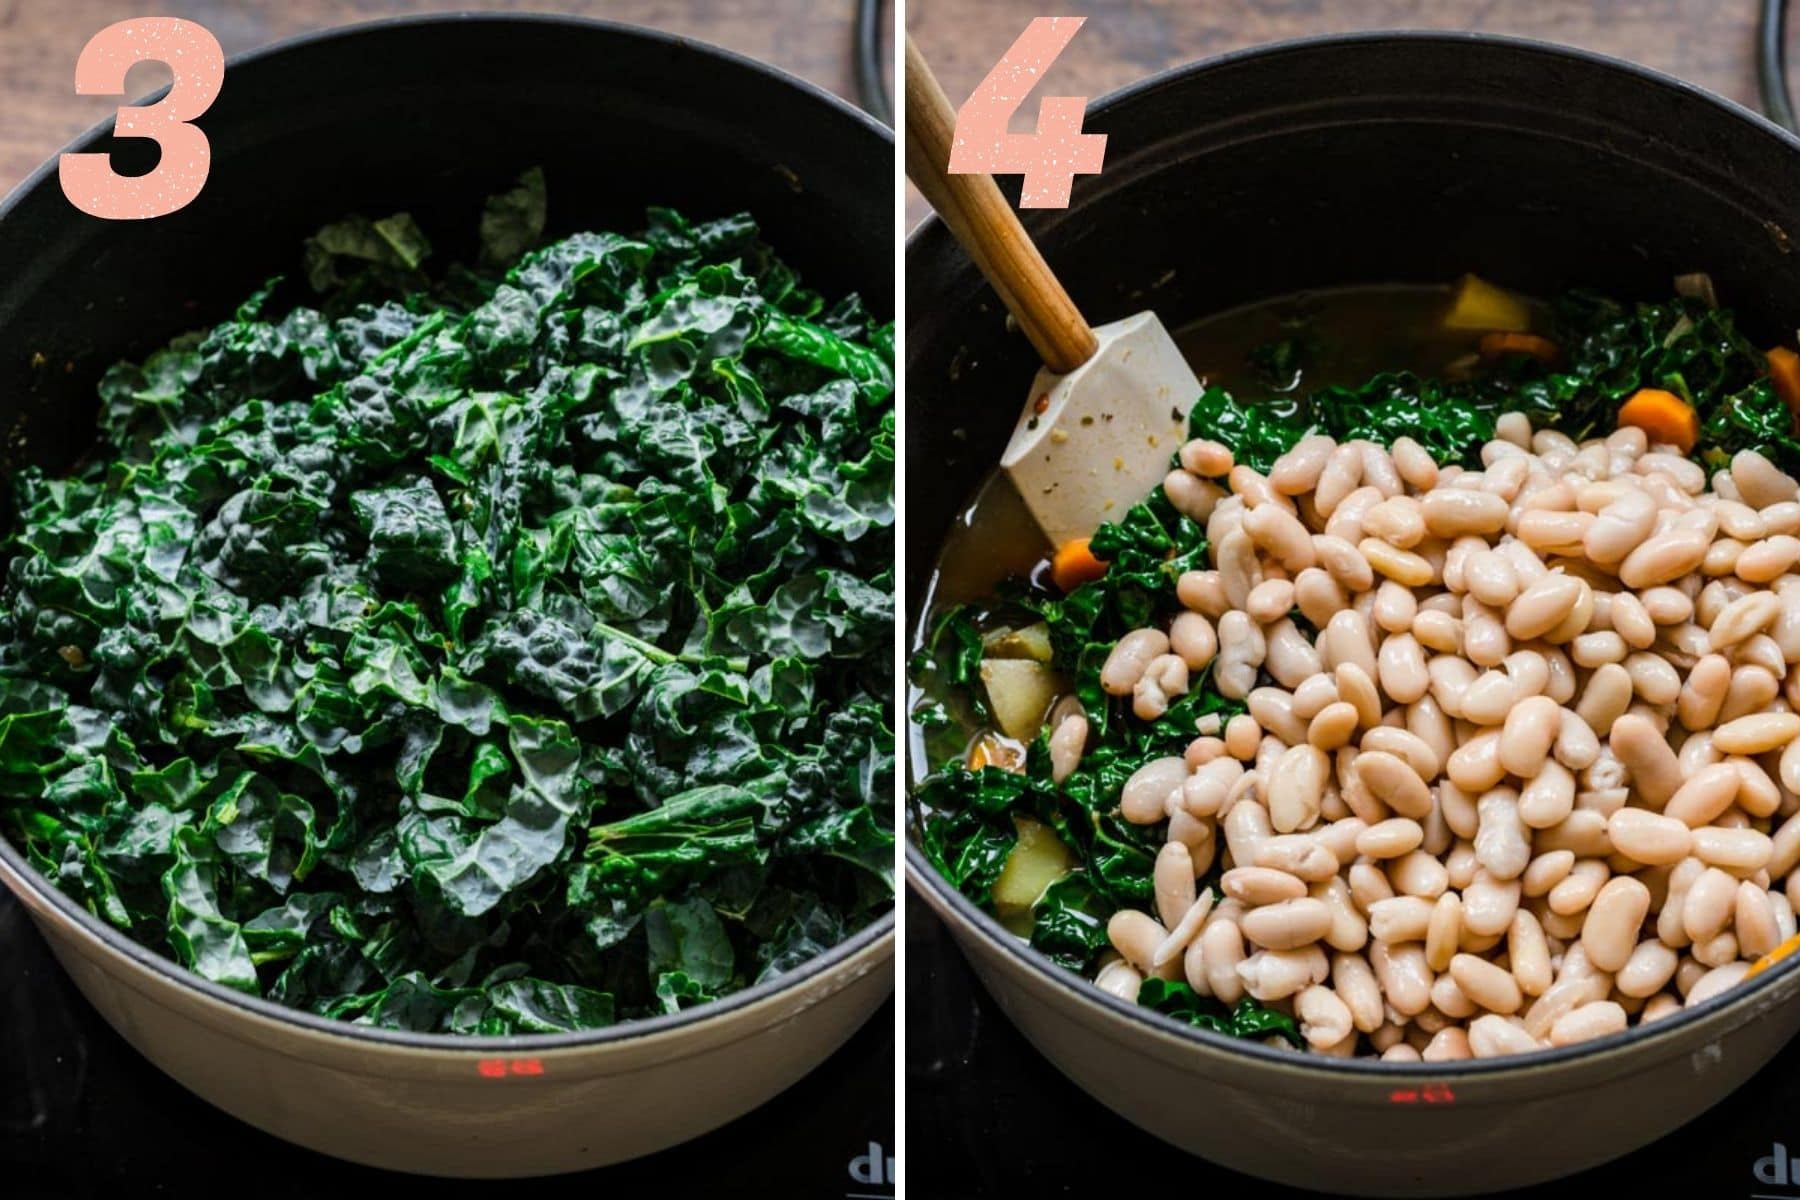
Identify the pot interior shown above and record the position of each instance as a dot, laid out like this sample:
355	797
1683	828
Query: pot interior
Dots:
428	116
1374	159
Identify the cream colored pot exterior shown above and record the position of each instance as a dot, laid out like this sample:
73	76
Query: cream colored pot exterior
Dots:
1347	1128
424	1104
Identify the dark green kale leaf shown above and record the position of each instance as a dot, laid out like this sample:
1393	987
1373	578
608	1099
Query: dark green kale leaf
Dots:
513	221
964	818
1258	433
1069	922
395	247
1754	418
948	660
1248	1020
1609	350
411	544
505	653
1452	421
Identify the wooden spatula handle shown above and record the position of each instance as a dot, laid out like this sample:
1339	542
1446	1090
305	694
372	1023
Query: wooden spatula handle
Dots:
986	226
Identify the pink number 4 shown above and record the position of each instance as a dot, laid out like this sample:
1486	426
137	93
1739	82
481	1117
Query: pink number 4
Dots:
1048	159
193	54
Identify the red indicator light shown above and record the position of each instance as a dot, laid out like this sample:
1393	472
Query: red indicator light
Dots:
1431	1093
500	1068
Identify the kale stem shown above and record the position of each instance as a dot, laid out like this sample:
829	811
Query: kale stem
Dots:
661	657
427	327
649	650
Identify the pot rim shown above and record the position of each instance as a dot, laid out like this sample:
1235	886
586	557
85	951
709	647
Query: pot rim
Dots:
958	910
22	876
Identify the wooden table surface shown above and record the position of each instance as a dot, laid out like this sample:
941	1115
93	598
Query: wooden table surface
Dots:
1708	42
40	39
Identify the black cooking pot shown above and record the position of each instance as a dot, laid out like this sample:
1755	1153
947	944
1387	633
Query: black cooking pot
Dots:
1364	159
430	115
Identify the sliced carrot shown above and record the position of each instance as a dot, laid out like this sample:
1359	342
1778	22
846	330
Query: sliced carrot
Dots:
1074	564
1665	416
1498	345
1784	369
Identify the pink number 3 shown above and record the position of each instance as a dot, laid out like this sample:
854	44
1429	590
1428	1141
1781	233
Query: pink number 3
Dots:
193	54
1050	158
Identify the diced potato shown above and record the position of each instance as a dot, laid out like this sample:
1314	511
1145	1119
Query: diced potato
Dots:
1480	305
1037	861
992	750
1020	692
1697	286
1031	642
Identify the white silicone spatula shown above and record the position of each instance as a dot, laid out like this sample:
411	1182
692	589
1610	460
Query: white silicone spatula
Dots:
1109	407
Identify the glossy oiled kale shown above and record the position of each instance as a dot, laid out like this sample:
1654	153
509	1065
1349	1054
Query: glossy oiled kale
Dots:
965	818
505	652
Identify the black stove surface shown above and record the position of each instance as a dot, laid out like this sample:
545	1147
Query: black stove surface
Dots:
1000	1121
83	1115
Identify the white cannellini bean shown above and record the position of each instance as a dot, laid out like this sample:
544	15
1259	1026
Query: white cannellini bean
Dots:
1325	1019
1242	649
1535	778
1493	1035
1143	801
1716	981
1120	979
1270	975
1759	481
1354	982
1297	471
1130	658
1136	936
1222	946
1502	841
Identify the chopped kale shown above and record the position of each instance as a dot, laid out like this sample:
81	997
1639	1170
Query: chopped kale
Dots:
501	652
